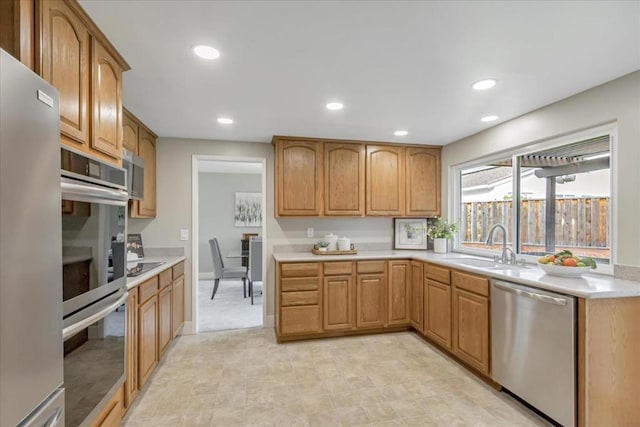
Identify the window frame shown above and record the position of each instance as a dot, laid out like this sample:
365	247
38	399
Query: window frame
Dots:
609	129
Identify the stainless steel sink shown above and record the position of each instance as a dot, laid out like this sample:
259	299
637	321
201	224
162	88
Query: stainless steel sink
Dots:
484	263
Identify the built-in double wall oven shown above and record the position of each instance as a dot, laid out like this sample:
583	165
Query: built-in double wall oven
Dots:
94	202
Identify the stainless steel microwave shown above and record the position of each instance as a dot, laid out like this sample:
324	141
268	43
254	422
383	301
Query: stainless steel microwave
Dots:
135	174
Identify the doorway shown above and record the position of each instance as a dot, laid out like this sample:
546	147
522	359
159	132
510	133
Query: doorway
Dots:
229	195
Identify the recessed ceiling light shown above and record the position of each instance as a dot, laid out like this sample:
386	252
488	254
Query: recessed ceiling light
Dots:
334	106
401	133
484	84
225	120
206	52
489	118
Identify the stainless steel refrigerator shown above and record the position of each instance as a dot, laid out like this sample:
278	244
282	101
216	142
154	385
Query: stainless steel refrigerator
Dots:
31	360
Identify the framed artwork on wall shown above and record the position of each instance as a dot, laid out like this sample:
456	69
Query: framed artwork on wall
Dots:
410	233
248	210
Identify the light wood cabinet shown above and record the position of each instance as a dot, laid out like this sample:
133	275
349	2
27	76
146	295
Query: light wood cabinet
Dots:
17	23
416	318
371	306
385	182
339	303
437	317
106	94
112	412
298	177
131	383
422	166
471	320
129	131
299	299
177	306
398	292
147	339
344	178
165	331
140	140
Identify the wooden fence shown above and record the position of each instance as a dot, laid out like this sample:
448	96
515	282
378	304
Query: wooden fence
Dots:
580	222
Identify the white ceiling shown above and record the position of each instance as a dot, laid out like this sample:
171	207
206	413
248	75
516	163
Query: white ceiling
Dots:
223	166
395	65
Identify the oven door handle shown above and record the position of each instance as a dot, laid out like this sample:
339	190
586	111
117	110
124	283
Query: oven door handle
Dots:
73	329
85	190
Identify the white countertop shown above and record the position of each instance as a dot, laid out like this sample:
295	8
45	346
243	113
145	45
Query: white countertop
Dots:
588	286
169	261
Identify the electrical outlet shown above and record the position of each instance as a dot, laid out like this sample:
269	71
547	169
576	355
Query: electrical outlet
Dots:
184	234
310	232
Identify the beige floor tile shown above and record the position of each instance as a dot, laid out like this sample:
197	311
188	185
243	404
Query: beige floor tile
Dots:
316	403
224	417
377	412
353	416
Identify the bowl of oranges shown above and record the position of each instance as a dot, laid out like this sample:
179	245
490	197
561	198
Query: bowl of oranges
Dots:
565	264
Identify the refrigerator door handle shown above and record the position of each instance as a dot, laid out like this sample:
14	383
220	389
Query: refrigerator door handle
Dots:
74	328
54	420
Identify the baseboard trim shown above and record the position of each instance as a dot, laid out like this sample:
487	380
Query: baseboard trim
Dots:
206	275
269	321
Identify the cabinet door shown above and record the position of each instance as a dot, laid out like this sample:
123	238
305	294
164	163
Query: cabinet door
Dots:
111	415
398	296
423	181
298	178
106	90
147	340
370	301
417	298
471	329
177	312
344	179
165	332
146	208
131	384
129	132
64	62
437	316
338	303
385	181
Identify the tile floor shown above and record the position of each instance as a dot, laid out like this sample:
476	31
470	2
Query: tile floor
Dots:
244	378
229	309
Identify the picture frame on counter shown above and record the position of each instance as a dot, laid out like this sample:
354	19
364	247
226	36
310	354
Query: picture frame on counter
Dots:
410	233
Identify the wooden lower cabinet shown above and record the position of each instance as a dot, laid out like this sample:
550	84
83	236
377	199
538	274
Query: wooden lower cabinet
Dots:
398	293
177	306
471	329
416	315
371	290
112	413
338	303
437	312
131	383
147	339
165	331
300	320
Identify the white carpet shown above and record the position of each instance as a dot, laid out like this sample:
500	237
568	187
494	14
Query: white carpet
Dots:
228	310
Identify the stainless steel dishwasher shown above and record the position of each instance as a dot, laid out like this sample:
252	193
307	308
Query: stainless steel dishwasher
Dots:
533	351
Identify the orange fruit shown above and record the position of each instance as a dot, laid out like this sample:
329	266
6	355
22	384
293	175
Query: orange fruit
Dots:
570	262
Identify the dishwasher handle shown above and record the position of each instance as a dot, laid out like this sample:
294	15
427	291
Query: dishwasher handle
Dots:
533	295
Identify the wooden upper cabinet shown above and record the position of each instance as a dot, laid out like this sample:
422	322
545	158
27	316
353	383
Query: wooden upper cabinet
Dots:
106	83
298	178
385	181
129	132
64	62
422	166
344	172
146	208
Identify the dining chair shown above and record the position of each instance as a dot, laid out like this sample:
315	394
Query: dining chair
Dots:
255	263
220	272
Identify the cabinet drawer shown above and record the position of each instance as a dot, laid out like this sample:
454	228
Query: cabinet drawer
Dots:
178	270
299	298
365	267
439	274
296	320
148	289
471	283
165	278
307	269
338	268
299	284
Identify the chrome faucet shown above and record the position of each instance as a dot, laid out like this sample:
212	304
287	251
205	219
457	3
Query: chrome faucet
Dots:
505	250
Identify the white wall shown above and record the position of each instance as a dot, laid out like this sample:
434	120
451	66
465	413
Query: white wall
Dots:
616	102
215	213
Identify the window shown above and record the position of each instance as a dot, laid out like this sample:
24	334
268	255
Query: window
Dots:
562	199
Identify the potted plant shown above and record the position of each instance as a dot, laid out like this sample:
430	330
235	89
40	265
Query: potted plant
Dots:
441	231
323	246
